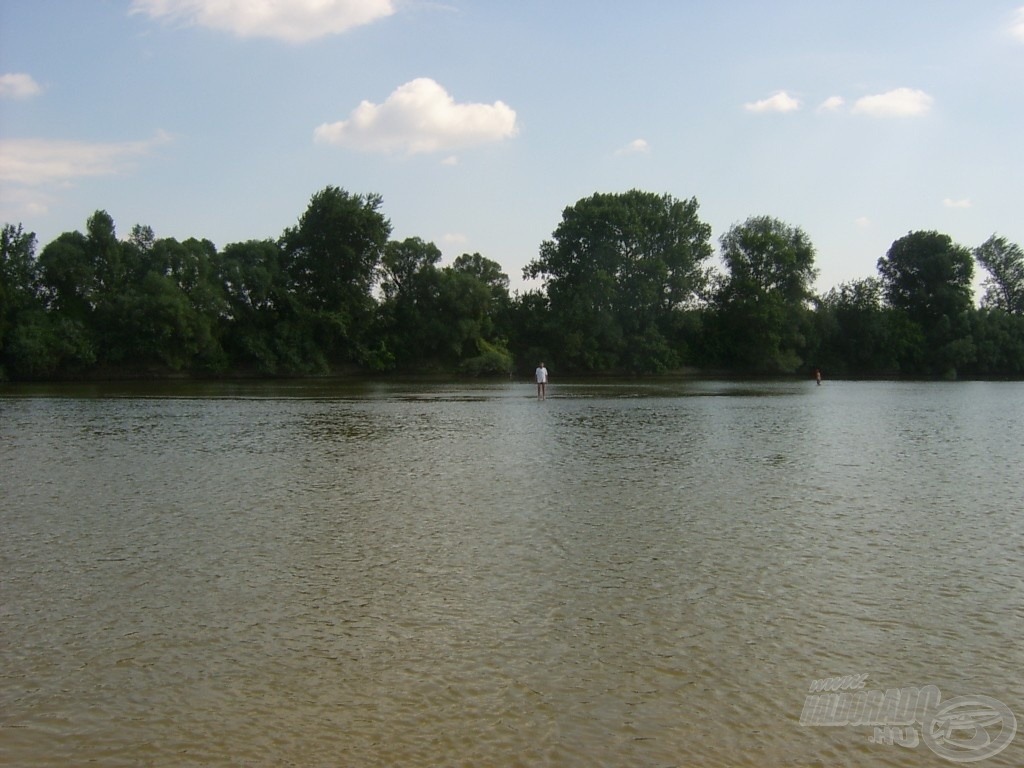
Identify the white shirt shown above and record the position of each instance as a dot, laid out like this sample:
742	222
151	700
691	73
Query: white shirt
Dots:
542	375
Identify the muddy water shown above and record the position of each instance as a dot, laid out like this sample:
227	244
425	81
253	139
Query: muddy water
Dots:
420	575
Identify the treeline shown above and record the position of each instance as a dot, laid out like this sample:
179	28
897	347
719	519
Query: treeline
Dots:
627	287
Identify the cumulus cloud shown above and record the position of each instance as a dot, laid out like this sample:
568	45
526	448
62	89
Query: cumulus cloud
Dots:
778	102
832	104
18	85
635	147
420	117
901	102
294	21
950	203
1017	24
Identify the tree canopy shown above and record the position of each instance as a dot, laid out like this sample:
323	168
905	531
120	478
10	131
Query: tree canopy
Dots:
1004	286
615	270
762	297
927	277
626	286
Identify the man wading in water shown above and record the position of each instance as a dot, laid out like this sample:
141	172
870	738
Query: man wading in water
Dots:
542	381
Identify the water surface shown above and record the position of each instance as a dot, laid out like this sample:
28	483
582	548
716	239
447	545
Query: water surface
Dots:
641	574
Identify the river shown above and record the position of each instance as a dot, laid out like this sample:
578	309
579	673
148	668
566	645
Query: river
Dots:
453	574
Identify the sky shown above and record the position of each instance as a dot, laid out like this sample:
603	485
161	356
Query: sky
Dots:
479	121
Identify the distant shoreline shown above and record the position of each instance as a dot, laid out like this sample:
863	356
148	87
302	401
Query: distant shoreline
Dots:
358	376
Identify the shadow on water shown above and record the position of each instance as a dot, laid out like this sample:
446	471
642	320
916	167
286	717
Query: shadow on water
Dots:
403	389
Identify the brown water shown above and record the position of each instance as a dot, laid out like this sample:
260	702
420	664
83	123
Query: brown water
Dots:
460	575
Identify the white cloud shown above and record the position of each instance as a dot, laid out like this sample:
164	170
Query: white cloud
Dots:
420	117
295	21
778	102
901	102
635	147
1017	24
950	203
40	162
450	160
832	104
863	222
18	86
31	170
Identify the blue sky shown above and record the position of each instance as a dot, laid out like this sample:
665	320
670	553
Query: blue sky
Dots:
479	122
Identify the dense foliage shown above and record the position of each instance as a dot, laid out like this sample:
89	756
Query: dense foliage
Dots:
626	287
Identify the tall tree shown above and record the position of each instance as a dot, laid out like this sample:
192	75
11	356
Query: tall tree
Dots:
616	269
926	276
262	321
330	259
767	256
107	255
403	263
762	301
485	270
67	275
409	329
18	283
18	273
331	255
182	285
439	318
1004	286
498	310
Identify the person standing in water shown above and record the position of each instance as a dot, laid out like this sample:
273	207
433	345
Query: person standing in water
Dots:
542	381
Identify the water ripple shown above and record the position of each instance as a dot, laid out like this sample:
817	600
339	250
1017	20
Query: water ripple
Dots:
412	575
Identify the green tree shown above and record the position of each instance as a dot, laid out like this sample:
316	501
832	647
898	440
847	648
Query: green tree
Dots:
762	302
36	341
403	264
439	318
330	260
467	306
112	270
859	335
499	306
410	330
18	274
616	270
18	285
531	331
67	276
486	271
261	326
998	338
1004	286
928	278
764	255
88	280
170	312
158	328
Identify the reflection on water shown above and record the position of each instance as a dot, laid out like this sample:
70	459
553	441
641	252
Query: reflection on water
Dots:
624	574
